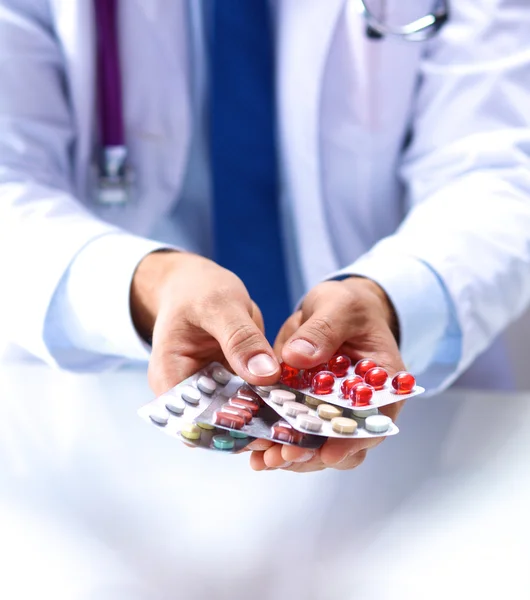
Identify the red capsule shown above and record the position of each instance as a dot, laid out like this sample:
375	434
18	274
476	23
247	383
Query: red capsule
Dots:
296	383
361	394
376	377
403	382
363	366
348	385
308	374
323	383
228	420
248	394
305	379
292	377
339	365
288	372
245	404
283	432
244	413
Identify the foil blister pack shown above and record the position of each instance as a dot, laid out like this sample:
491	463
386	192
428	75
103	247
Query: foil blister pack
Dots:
214	409
328	420
362	386
175	411
227	412
214	400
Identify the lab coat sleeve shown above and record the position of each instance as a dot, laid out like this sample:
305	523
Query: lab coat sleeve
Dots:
430	335
88	325
467	173
43	228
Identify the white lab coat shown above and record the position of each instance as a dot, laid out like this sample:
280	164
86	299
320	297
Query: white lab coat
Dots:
345	103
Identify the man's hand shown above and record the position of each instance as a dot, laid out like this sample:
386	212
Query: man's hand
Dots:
353	316
196	312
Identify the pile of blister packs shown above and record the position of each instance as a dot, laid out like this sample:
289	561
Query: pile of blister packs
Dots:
217	410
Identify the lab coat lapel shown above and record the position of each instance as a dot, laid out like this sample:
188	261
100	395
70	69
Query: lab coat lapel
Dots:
74	23
305	31
161	149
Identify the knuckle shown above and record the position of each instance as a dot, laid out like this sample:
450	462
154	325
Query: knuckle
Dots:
157	378
322	328
240	339
355	461
360	458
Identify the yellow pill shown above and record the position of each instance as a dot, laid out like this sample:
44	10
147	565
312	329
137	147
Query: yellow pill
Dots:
328	411
313	402
343	425
190	431
206	426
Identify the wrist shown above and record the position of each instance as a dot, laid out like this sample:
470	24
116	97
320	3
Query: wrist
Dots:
146	288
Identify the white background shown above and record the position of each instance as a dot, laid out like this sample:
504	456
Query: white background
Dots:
97	505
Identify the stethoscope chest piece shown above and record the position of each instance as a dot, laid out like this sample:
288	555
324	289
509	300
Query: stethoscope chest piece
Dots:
114	179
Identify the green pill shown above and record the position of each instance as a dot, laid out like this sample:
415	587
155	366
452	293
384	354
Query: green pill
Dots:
223	442
239	435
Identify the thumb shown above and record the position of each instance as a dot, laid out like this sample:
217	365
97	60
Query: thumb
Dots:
244	345
315	341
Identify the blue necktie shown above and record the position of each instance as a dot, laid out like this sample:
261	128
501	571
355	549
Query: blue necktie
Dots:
247	232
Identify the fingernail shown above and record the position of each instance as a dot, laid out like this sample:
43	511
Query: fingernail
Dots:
305	457
286	465
303	347
258	446
262	365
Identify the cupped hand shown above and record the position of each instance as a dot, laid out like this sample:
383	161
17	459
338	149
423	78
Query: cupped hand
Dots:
195	312
355	317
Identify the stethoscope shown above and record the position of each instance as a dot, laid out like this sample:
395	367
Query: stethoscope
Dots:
114	176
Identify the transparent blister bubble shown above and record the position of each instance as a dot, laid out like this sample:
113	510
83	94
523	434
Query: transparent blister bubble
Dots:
214	409
326	382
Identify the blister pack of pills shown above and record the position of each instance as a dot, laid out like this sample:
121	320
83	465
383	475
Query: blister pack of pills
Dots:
327	420
175	411
217	410
244	411
362	386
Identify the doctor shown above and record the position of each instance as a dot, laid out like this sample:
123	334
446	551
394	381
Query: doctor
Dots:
181	172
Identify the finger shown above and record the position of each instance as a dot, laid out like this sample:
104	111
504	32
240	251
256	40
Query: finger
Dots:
337	450
243	344
287	330
316	340
328	323
257	317
259	445
167	369
273	457
257	462
297	454
308	467
351	462
282	455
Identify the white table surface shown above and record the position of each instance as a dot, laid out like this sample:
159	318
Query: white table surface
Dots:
95	504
